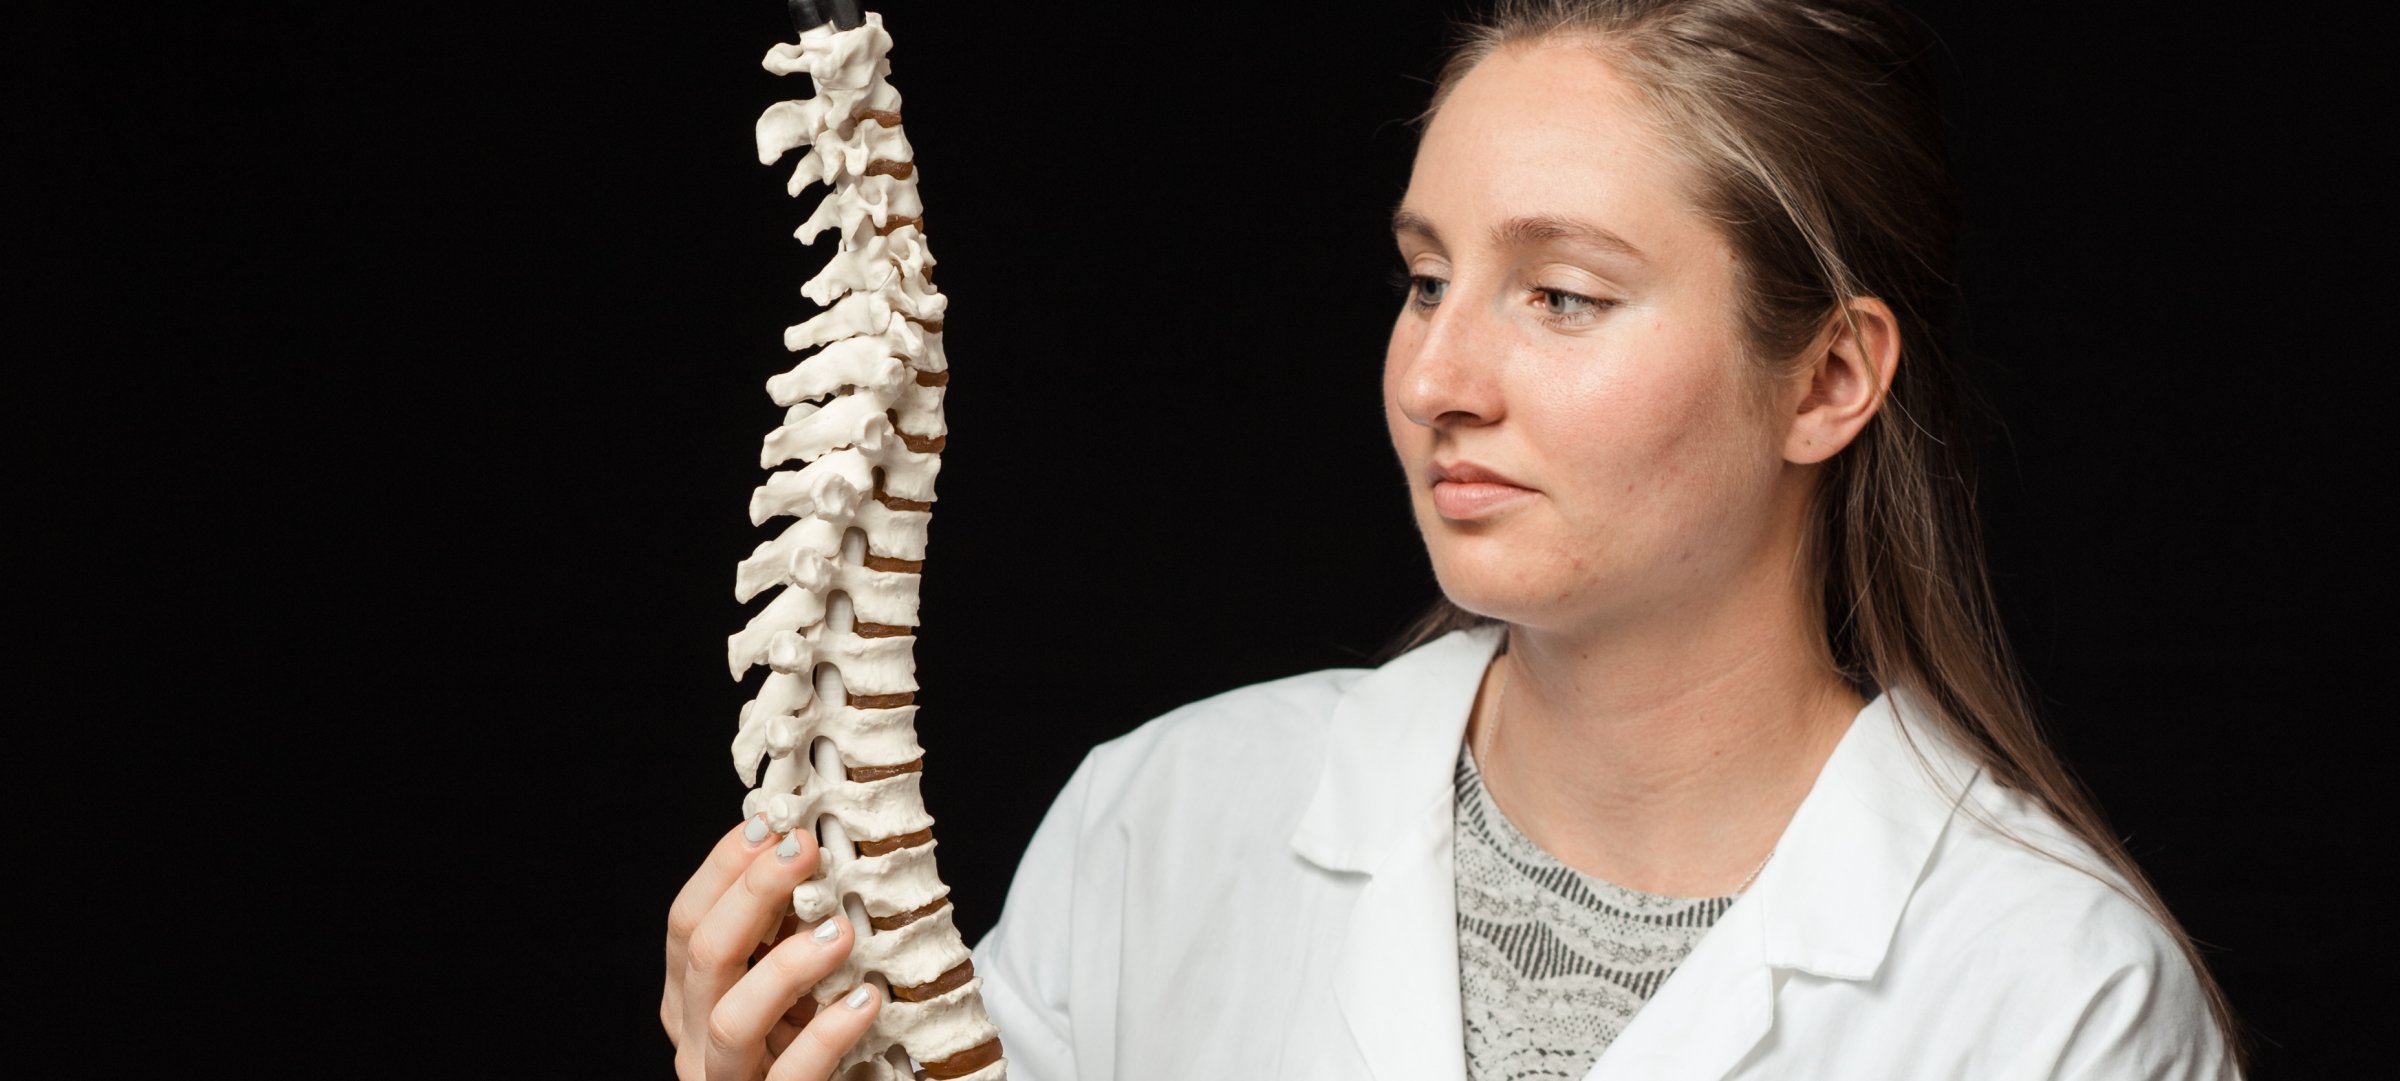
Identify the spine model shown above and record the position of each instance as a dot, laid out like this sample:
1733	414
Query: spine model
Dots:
835	721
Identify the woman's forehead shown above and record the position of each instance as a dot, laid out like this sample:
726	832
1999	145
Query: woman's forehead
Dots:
1549	131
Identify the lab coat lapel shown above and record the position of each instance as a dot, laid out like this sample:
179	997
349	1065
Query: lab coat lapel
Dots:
1708	1016
1397	978
1827	904
1383	810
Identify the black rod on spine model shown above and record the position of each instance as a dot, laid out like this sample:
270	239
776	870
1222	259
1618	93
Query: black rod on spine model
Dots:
808	15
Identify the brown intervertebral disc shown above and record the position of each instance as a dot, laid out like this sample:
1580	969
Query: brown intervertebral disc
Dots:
896	169
964	1062
885	117
889	563
897	223
895	844
863	774
898	920
933	379
879	701
918	443
894	502
939	985
882	630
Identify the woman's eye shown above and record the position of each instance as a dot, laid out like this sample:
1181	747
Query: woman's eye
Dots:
1561	303
1424	291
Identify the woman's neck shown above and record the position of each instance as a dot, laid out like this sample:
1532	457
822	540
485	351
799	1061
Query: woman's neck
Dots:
1669	760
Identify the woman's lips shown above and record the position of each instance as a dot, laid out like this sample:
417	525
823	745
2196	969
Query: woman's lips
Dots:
1464	490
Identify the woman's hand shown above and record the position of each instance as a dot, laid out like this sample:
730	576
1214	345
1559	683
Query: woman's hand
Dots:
740	1012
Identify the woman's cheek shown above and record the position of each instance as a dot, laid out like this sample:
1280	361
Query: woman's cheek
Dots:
1395	419
1643	450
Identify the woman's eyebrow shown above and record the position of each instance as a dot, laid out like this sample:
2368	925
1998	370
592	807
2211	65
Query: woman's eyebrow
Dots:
1529	229
1538	228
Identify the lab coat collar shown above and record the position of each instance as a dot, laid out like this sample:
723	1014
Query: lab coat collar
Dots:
1382	807
1828	903
1392	749
1830	899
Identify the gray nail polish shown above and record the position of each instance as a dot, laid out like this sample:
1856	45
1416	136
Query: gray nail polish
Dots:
858	999
788	851
826	931
756	831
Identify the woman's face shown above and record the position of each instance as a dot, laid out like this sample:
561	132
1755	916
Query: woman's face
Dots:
1566	384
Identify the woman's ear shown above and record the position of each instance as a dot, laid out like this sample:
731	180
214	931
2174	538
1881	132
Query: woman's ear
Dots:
1845	380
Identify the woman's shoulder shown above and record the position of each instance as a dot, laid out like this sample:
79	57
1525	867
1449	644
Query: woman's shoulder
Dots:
2069	959
2009	866
2002	874
1997	911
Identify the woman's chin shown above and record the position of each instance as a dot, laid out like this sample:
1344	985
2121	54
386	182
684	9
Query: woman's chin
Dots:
1523	569
1497	593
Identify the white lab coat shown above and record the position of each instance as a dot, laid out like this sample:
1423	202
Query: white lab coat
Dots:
1259	886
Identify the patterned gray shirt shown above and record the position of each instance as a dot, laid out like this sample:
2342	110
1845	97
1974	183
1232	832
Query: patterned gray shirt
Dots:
1552	963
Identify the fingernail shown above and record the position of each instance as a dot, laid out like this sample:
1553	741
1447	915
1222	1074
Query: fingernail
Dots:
789	850
858	999
756	831
826	931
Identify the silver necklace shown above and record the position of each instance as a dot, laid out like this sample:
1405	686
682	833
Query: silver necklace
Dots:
1745	886
1482	746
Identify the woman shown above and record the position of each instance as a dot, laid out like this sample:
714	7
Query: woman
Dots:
1714	763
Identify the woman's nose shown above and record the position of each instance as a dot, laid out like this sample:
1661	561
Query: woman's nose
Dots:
1446	371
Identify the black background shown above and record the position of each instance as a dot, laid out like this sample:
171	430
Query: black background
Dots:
385	397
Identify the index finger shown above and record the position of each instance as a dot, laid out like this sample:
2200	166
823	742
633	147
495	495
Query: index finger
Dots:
732	855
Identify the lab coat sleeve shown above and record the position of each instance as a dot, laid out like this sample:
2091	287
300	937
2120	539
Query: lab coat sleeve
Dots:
1026	958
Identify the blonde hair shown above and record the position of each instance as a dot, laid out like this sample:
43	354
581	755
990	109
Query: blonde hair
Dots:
1814	132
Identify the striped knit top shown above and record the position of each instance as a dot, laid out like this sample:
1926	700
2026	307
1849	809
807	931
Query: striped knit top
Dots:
1552	962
